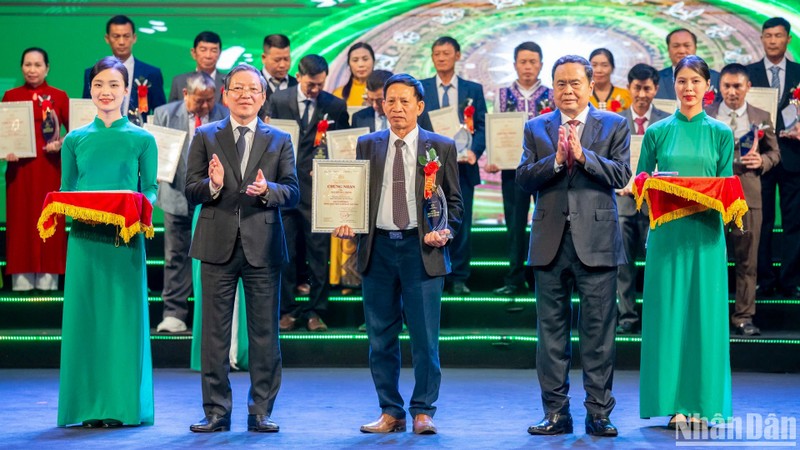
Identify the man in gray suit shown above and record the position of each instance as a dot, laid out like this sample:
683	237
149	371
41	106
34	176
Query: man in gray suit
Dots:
206	52
573	159
741	117
198	107
403	261
242	172
642	83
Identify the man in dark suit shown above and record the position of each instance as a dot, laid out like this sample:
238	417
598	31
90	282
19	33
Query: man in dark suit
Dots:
142	77
742	116
573	159
242	173
308	105
373	117
776	71
680	43
197	108
402	260
643	81
206	51
276	60
445	52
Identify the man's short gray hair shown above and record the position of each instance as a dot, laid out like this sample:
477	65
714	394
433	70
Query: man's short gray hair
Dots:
199	81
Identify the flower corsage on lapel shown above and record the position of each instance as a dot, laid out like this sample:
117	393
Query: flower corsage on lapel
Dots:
430	163
142	87
469	114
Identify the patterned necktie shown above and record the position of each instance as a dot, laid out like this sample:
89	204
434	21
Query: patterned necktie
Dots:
570	156
640	124
304	119
276	83
198	122
733	122
399	205
775	82
446	96
383	123
241	143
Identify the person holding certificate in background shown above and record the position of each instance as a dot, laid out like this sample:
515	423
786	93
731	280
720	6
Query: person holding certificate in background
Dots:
405	256
106	377
685	368
530	96
33	263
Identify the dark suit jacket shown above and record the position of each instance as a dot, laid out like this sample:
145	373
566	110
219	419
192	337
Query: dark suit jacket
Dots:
768	147
233	211
364	118
155	93
666	84
466	89
179	83
790	148
171	197
264	111
587	194
374	147
626	204
283	105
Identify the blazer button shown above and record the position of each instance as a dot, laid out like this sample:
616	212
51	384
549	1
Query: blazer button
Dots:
242	191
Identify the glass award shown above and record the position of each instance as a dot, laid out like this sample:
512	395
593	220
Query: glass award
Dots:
747	142
463	140
435	209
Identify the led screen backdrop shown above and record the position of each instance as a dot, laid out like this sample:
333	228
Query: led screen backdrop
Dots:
400	31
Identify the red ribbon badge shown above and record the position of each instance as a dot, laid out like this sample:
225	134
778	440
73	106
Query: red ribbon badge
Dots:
708	98
322	129
614	105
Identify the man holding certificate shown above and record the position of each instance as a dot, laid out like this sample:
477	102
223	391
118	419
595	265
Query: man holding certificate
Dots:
197	108
572	161
415	209
444	90
755	153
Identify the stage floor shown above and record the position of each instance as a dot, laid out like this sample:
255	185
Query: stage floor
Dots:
323	408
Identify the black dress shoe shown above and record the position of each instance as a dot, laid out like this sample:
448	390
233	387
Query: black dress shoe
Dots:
92	423
261	423
598	425
212	423
747	329
460	288
112	423
553	423
508	289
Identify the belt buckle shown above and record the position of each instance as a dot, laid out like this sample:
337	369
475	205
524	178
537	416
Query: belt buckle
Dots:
395	235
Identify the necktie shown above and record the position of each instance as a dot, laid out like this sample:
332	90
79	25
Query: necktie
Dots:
570	156
276	83
197	121
399	205
241	143
733	121
304	119
383	123
446	96
640	124
775	82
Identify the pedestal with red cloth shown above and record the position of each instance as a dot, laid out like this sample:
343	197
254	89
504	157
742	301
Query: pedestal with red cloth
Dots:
670	198
130	211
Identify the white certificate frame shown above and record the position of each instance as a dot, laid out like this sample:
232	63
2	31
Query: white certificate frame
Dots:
766	99
16	136
342	143
351	110
501	130
82	111
445	121
170	144
291	127
333	205
636	153
667	105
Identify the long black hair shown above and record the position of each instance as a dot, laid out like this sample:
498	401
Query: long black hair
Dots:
354	47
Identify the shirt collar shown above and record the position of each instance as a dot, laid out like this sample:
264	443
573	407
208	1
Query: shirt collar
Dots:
768	64
453	82
646	115
410	138
580	117
528	91
251	125
725	111
301	97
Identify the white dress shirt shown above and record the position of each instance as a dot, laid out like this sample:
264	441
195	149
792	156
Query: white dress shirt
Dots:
452	92
646	115
248	139
742	119
385	220
281	86
781	74
301	106
580	118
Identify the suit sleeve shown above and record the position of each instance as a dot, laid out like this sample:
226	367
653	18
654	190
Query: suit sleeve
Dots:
159	117
479	138
197	181
174	91
770	152
452	189
158	98
616	170
285	191
342	119
535	171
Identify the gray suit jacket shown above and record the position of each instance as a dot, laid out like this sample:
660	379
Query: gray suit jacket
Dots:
586	195
374	147
232	211
625	203
179	83
767	147
173	115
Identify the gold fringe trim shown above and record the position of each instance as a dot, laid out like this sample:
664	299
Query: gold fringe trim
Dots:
735	211
90	215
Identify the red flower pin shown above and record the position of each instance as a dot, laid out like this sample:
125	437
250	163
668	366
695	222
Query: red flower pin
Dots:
709	97
796	93
614	105
546	110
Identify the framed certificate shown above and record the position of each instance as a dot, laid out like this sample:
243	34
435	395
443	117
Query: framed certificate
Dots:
340	195
636	151
342	143
354	109
445	121
81	112
766	99
666	105
170	147
17	134
291	127
504	136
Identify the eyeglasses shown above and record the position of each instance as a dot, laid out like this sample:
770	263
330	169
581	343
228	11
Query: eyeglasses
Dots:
239	91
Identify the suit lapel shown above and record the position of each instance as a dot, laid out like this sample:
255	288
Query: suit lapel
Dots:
591	129
260	142
553	122
432	94
423	144
227	144
293	106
